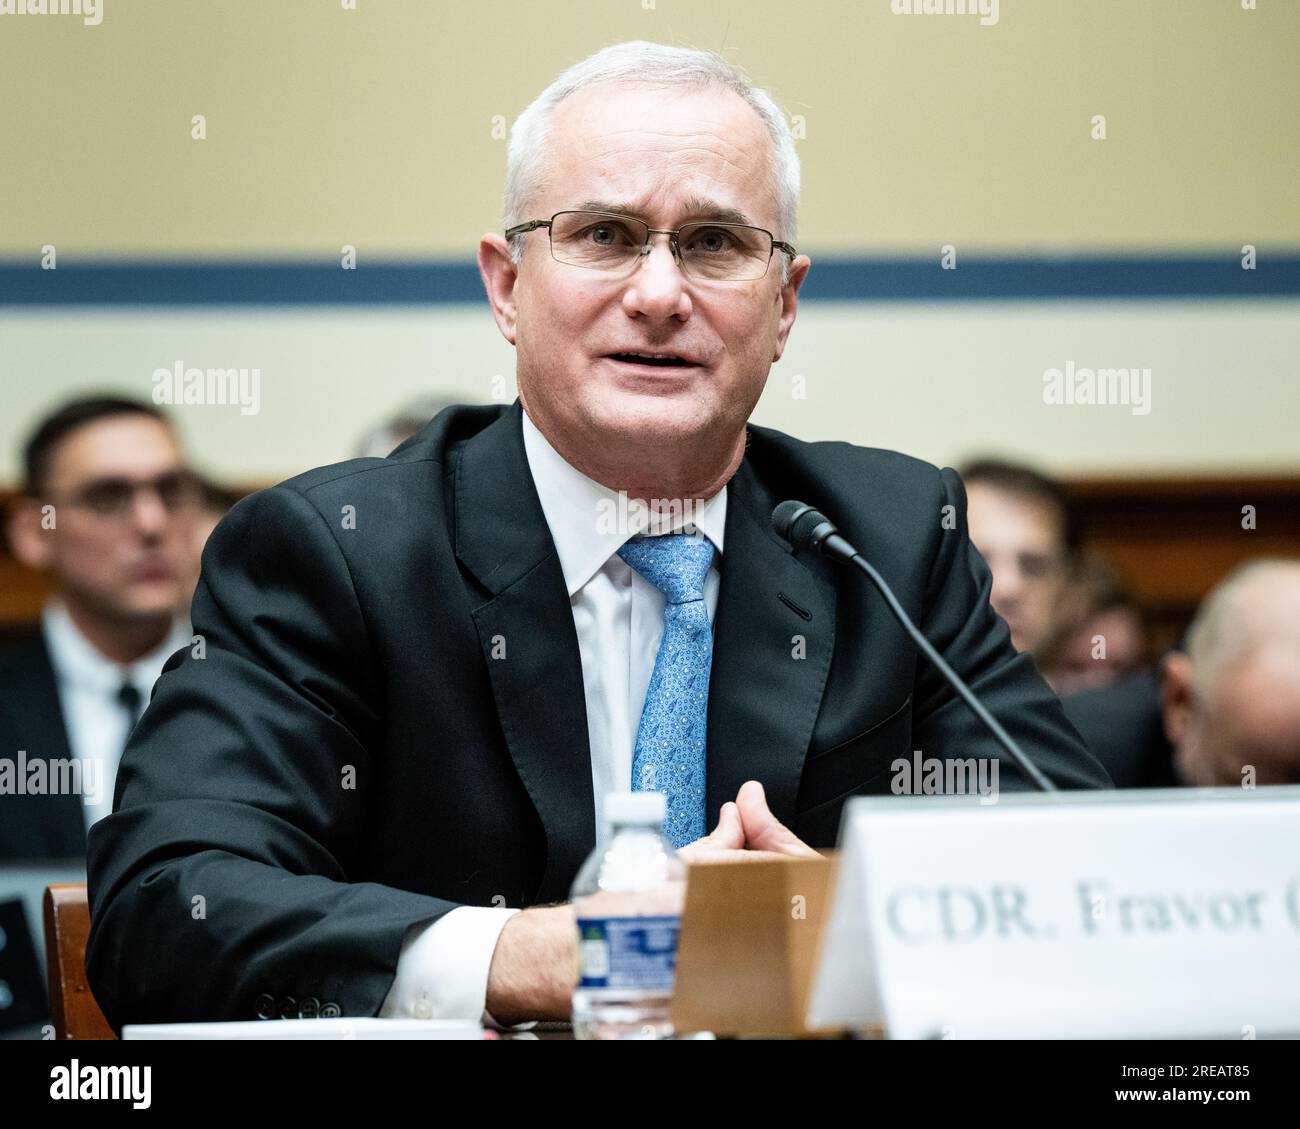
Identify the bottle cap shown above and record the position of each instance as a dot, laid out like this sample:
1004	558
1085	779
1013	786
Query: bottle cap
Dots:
636	807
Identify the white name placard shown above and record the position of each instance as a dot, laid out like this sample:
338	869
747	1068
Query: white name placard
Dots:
1162	912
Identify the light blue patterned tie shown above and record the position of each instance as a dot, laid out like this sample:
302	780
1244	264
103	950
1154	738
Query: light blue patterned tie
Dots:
670	740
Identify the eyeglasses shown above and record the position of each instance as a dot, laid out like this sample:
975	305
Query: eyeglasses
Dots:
706	251
1035	566
1040	566
114	498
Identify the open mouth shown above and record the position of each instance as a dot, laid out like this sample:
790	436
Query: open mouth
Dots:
660	360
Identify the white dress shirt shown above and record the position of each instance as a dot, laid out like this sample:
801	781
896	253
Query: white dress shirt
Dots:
88	682
442	970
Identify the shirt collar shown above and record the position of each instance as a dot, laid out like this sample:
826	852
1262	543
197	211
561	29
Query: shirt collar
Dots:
589	522
79	663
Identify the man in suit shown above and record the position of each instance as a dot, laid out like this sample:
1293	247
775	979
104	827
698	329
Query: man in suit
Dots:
104	512
420	674
1123	726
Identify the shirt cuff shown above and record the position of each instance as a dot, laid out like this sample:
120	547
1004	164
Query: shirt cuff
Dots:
442	969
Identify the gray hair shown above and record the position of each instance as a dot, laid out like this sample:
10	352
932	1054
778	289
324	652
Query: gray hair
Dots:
641	63
1257	604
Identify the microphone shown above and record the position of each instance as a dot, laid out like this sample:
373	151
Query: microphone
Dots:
803	527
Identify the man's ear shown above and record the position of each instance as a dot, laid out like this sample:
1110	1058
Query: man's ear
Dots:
29	543
499	275
787	298
1177	697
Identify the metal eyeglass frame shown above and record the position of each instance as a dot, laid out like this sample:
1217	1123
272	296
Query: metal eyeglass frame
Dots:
533	225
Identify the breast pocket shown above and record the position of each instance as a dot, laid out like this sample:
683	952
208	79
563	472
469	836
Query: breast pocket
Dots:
855	766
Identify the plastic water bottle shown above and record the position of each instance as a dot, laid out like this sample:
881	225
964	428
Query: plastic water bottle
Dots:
628	899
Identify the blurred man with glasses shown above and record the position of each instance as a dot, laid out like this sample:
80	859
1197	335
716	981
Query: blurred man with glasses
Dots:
106	513
1022	524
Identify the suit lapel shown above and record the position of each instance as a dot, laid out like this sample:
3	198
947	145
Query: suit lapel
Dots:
57	827
763	700
529	641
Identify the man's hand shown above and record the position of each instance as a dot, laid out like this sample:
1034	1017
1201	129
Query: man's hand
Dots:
763	831
534	965
747	831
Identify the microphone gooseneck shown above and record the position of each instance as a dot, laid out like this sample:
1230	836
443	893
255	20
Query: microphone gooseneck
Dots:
803	528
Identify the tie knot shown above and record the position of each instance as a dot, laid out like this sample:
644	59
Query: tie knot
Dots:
129	696
675	563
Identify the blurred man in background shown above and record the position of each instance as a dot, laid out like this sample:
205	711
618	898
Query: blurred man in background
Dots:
1020	521
382	440
214	501
1225	710
1232	703
107	512
1100	634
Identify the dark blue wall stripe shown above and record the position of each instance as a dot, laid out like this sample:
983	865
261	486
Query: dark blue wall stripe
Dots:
135	283
1029	278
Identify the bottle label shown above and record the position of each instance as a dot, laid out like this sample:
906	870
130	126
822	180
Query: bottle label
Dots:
639	953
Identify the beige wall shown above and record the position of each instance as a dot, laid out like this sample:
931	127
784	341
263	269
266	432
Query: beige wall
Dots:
374	127
940	381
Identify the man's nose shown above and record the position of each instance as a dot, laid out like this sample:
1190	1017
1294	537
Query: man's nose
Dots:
657	285
1008	584
149	514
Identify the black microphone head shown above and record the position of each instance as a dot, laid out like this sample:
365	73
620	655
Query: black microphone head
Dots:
801	525
784	517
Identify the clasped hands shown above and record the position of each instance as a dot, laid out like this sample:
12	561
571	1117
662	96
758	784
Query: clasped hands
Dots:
747	831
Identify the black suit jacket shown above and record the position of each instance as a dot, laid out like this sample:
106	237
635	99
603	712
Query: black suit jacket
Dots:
1124	728
349	759
31	720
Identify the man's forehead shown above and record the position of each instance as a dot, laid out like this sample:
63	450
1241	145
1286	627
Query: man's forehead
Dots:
719	176
118	445
695	206
1005	512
